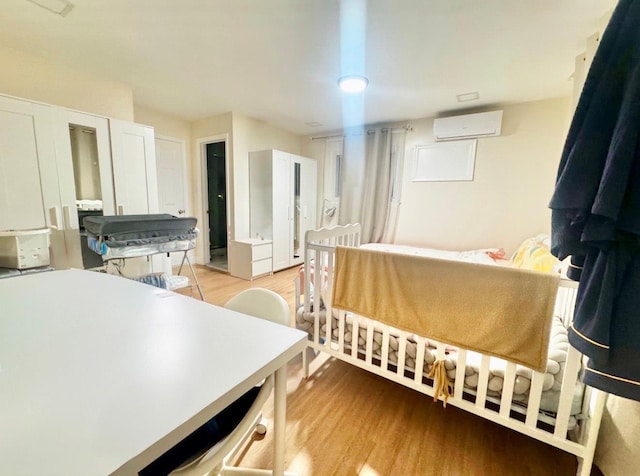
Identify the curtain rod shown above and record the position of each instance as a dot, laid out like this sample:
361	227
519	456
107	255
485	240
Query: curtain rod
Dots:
327	137
407	128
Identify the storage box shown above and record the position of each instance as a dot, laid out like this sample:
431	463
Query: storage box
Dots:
22	249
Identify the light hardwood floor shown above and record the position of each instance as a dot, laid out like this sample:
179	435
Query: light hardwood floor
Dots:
346	421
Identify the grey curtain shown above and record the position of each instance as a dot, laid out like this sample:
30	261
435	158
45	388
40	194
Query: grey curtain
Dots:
371	182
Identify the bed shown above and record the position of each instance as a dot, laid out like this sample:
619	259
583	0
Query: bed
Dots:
549	404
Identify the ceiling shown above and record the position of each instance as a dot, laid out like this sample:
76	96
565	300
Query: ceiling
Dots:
279	60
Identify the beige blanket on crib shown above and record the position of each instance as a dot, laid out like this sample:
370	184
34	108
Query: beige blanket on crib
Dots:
499	311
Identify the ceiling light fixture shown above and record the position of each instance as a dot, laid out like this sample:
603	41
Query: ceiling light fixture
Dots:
59	7
353	83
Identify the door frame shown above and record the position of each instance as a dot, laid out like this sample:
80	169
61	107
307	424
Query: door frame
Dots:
185	176
204	190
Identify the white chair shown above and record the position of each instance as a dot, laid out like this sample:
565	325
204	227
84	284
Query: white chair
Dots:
266	304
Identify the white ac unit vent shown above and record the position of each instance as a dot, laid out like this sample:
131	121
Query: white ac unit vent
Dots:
482	124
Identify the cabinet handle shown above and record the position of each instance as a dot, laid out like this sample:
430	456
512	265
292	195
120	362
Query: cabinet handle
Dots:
54	218
120	209
67	217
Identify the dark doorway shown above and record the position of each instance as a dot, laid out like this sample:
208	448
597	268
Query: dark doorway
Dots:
217	195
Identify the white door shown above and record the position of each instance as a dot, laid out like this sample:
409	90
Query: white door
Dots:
172	187
134	168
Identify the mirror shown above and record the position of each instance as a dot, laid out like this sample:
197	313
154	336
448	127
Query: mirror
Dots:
86	175
296	210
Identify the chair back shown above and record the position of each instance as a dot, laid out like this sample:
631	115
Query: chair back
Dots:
263	303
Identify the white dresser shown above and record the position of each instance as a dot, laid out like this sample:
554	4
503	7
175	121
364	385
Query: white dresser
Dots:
253	258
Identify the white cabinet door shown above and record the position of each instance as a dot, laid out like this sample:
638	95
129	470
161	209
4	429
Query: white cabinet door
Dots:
136	183
96	129
134	168
308	200
93	126
29	191
282	218
21	200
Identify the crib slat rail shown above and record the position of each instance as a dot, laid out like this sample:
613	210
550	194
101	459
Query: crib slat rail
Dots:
355	334
460	374
384	360
572	366
507	389
402	349
419	360
535	394
402	357
483	381
369	346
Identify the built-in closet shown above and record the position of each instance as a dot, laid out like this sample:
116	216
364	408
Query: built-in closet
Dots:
282	191
57	164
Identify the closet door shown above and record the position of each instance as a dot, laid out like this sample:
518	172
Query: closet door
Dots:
303	195
306	200
134	168
282	218
91	176
29	192
136	183
83	154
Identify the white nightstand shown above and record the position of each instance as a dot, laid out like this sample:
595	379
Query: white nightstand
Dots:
253	258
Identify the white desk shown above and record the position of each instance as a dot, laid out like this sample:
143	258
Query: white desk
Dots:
100	375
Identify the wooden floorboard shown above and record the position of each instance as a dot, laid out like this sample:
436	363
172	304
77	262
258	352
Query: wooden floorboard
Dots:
345	421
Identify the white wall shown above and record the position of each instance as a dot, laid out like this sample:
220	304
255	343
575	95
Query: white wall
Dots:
508	199
32	77
252	135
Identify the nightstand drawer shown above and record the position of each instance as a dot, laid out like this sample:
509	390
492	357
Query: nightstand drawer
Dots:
261	251
261	267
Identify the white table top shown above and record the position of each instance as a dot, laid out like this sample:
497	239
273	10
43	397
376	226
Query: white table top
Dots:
100	375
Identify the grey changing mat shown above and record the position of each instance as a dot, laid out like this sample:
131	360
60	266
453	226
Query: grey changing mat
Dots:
126	230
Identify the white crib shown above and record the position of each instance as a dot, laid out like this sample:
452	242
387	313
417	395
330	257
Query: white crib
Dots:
404	358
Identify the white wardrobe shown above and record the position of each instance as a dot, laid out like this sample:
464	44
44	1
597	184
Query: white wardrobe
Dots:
283	195
41	181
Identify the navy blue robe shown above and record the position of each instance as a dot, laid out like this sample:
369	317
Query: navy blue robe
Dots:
596	209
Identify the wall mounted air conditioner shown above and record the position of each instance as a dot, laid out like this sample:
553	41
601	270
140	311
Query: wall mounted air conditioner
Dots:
468	126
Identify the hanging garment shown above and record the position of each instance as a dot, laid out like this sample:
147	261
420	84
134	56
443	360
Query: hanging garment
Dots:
596	209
